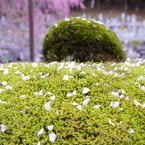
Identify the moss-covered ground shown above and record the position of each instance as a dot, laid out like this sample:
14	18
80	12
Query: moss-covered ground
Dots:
69	103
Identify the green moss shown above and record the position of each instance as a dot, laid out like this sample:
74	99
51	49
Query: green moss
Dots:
25	116
82	40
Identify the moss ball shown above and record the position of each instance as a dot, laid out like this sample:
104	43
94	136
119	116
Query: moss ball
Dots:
82	40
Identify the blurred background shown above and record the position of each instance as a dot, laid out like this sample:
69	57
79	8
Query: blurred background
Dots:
24	23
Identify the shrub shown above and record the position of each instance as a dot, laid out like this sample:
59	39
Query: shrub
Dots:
107	107
82	40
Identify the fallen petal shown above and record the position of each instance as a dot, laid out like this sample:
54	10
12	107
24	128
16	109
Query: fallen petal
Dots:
86	101
85	90
52	137
80	107
50	127
109	120
40	132
47	106
3	128
97	106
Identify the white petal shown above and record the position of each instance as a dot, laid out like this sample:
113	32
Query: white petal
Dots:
136	103
34	64
97	106
122	96
109	120
71	94
4	83
57	112
115	93
80	107
74	103
23	96
5	71
114	104
85	90
143	88
86	101
66	77
48	93
3	128
40	131
50	127
3	102
1	90
47	106
131	130
121	109
8	87
38	143
52	98
52	137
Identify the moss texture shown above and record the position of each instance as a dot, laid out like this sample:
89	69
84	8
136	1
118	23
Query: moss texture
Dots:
107	108
82	40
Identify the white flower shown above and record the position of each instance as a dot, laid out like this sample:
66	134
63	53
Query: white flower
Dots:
114	104
22	96
115	93
52	137
3	102
71	94
131	130
86	101
109	120
97	106
85	90
74	103
3	128
1	90
39	93
34	64
80	107
4	83
52	98
25	77
40	131
8	87
47	106
50	127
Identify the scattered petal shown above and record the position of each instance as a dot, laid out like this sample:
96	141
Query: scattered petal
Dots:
115	93
86	101
121	109
109	120
39	93
143	88
57	112
136	103
47	106
97	106
40	131
114	104
50	127
74	103
8	87
52	98
48	93
80	107
25	77
4	83
52	137
38	143
3	102
23	96
66	77
71	94
3	128
1	90
34	64
85	90
17	72
131	130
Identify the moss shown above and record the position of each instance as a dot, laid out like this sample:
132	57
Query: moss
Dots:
24	116
82	40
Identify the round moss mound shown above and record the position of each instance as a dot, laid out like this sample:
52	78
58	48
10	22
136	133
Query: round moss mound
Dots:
82	40
72	104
